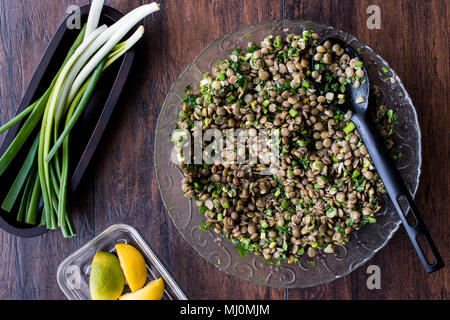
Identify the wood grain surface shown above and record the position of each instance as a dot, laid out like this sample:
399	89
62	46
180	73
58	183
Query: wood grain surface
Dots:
120	186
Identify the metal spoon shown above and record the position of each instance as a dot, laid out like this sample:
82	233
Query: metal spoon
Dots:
399	194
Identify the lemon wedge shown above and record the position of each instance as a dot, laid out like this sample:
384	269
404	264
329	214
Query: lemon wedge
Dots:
133	266
154	290
106	281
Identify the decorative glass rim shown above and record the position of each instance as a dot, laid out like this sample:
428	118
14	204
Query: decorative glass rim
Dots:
226	43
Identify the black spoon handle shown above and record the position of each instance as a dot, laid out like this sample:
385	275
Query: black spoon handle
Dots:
399	194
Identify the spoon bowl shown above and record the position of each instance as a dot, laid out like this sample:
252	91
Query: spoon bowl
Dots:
352	93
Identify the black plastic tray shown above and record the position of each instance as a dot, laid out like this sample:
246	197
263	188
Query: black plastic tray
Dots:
90	126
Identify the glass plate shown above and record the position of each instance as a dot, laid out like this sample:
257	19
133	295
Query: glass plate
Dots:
73	272
363	244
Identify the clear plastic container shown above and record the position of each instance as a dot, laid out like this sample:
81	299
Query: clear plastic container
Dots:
73	272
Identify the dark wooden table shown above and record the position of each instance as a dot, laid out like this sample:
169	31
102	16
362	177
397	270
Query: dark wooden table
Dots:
121	186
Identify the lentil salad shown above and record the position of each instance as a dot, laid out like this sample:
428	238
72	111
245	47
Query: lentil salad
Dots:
326	186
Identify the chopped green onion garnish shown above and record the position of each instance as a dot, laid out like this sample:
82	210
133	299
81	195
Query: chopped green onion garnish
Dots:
349	127
277	193
355	174
305	83
293	113
284	205
302	143
278	43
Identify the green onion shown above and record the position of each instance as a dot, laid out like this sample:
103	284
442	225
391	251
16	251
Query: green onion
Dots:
350	126
306	35
21	178
23	134
203	209
278	43
368	219
277	193
284	205
123	47
197	186
331	212
305	83
33	203
355	174
293	113
94	16
302	143
57	100
119	30
26	195
19	117
230	98
318	67
86	95
266	103
335	87
72	117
